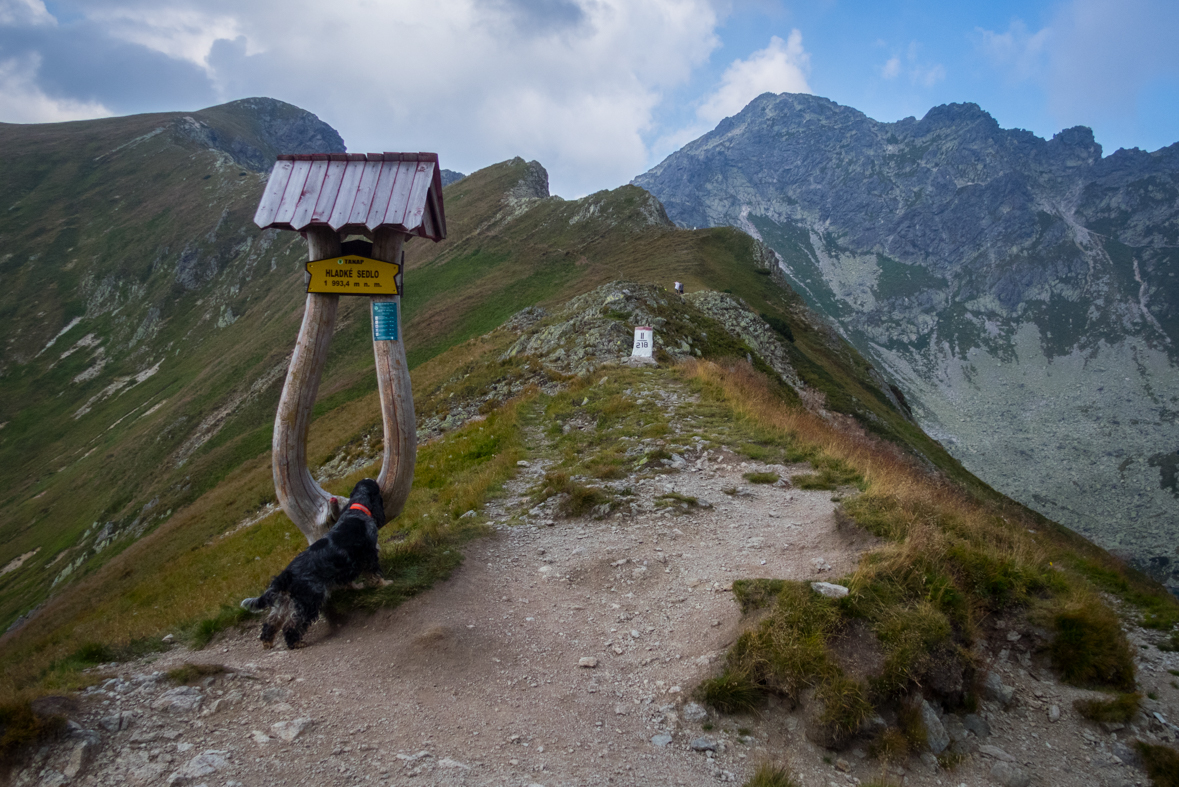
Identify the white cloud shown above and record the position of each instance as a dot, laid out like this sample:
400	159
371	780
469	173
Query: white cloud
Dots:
22	101
1018	51
781	67
919	73
180	33
1092	58
25	13
571	83
928	76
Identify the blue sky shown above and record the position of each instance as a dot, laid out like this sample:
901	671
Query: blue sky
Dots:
597	90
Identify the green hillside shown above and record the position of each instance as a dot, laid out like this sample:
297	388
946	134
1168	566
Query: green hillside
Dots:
134	456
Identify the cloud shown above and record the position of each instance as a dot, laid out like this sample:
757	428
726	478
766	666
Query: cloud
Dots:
1019	52
180	33
23	101
571	83
1093	58
25	13
923	74
781	67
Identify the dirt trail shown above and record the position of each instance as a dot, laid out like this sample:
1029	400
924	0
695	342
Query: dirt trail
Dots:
557	654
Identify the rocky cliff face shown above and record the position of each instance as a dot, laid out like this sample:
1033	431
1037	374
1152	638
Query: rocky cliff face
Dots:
1022	291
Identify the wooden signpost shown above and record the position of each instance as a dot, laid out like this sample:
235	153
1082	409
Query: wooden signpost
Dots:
385	198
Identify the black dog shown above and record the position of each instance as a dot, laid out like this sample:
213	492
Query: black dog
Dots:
296	596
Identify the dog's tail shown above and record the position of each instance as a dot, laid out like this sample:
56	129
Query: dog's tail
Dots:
265	601
255	604
278	585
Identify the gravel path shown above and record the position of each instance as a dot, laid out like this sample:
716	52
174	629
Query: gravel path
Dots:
560	654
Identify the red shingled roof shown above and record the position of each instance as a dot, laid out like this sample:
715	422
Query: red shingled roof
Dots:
349	191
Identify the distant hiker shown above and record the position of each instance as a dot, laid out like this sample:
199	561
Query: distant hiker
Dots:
679	287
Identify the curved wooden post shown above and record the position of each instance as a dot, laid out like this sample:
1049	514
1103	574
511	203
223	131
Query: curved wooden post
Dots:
311	508
401	439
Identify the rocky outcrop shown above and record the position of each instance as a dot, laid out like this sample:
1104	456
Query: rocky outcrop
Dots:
252	131
1020	290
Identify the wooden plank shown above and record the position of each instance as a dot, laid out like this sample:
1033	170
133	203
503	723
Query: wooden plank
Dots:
290	197
439	207
416	200
395	216
427	229
364	193
272	196
396	395
347	194
329	191
310	194
304	501
390	173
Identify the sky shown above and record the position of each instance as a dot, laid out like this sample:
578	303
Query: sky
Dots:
598	91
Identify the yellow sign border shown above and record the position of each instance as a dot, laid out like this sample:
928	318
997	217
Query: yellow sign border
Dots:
320	281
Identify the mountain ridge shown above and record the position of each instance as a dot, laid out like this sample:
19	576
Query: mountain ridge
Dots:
1004	281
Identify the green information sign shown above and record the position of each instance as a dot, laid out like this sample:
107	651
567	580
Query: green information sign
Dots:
384	321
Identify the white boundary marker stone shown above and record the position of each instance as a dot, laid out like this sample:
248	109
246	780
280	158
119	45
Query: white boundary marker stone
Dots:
644	342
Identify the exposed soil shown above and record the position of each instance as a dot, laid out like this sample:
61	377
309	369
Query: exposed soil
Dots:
561	654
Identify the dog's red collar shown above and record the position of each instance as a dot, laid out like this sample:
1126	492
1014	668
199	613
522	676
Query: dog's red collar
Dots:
362	508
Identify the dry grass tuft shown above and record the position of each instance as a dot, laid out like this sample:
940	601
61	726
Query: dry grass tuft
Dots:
1120	709
187	673
770	775
21	727
1162	763
951	559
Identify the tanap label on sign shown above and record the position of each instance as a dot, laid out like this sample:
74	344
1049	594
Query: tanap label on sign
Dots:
644	342
353	275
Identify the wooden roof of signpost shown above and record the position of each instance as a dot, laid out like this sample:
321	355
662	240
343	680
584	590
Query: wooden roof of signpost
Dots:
354	192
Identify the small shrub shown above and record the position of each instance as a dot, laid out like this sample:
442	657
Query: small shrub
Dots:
779	325
845	707
890	747
203	632
1170	644
753	594
1090	648
1120	709
1162	763
769	775
787	652
675	498
730	692
912	726
93	653
833	473
20	726
582	499
910	638
191	673
761	478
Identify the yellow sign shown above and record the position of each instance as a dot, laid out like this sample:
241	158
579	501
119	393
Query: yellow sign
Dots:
350	274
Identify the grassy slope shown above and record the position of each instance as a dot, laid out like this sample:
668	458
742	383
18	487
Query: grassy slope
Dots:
497	260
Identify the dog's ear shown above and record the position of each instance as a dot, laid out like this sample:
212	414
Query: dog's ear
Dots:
378	509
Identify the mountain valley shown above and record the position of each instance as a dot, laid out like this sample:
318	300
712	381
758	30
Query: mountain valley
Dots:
1023	293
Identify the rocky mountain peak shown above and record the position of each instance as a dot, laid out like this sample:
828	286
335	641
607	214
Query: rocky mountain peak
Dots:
955	115
967	259
255	130
534	184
